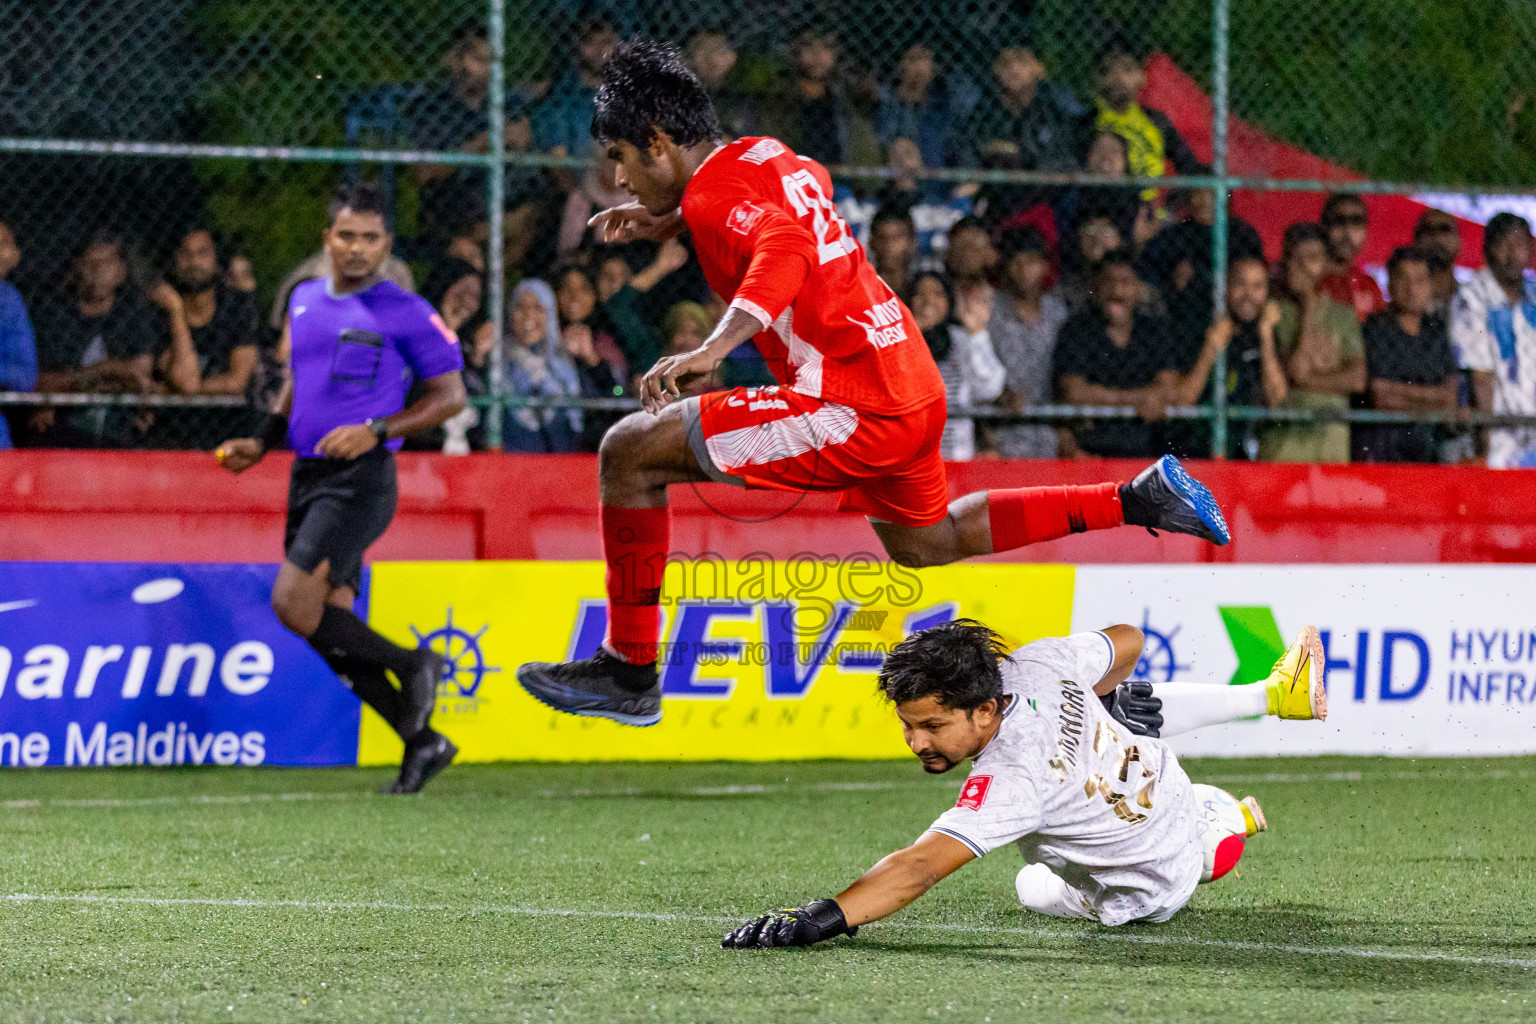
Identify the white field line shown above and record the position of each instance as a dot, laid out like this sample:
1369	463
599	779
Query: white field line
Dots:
1215	780
1428	775
635	915
1399	775
159	801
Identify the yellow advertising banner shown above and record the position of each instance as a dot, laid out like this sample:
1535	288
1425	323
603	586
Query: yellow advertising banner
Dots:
761	660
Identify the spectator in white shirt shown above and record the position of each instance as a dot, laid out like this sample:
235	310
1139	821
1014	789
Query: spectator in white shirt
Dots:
1493	330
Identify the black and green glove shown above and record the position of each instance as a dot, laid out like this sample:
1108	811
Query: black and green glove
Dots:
797	926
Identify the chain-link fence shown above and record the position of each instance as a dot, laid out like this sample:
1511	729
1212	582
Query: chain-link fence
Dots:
1068	195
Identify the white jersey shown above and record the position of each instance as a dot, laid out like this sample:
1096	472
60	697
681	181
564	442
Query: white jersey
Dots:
1111	813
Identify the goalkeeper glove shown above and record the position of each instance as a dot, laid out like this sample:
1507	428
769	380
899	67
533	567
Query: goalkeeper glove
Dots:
797	926
1134	705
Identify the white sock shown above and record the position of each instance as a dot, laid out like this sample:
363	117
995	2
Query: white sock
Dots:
1188	706
1040	889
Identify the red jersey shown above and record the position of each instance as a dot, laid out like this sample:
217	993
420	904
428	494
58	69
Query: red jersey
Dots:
769	239
1355	288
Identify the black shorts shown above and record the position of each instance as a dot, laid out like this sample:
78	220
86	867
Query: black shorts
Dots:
336	509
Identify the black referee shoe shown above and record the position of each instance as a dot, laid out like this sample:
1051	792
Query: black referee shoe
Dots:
419	689
424	758
602	686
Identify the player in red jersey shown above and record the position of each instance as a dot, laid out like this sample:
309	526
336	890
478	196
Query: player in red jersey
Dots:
859	409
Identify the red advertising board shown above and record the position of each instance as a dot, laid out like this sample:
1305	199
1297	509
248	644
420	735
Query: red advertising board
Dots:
180	506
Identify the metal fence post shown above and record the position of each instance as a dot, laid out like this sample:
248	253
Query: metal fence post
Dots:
496	185
1220	32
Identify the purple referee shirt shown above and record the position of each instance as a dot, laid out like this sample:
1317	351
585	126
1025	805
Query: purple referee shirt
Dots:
354	356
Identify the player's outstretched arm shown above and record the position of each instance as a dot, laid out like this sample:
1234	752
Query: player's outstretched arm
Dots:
884	889
629	221
903	876
783	253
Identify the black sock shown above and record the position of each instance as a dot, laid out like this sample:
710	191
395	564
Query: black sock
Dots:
1136	511
630	677
342	633
372	688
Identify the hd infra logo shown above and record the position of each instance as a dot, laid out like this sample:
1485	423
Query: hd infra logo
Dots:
465	668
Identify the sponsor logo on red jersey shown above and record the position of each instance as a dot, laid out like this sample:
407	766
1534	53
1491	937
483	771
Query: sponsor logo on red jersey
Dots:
756	399
743	217
884	326
975	792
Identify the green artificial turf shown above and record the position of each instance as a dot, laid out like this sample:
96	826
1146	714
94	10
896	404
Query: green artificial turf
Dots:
371	908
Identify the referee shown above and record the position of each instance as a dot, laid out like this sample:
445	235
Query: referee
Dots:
356	342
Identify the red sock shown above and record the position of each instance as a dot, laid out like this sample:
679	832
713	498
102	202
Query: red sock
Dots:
635	542
1028	515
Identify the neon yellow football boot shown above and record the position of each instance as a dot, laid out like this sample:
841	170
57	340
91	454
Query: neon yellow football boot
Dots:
1295	685
1253	816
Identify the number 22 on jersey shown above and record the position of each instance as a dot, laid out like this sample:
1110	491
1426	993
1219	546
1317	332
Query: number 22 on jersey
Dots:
833	239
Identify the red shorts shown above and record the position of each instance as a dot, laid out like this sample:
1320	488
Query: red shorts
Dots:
887	467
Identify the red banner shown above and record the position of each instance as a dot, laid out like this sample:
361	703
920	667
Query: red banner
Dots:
1252	152
181	507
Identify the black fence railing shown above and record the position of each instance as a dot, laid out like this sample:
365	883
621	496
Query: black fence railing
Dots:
202	414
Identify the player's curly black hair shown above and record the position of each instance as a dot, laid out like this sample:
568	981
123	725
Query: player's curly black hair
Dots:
647	86
958	662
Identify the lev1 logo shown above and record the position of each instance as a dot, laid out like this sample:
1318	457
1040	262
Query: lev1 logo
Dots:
791	655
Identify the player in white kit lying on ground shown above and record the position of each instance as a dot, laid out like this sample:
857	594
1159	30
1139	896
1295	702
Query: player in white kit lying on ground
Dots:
1110	827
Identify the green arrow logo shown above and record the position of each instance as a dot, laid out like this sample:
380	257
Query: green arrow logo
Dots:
1255	638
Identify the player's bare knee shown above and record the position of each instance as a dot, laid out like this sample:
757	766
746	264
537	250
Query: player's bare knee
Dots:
910	558
624	444
919	554
642	452
921	547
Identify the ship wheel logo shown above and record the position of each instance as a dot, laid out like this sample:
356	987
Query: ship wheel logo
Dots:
1158	663
466	668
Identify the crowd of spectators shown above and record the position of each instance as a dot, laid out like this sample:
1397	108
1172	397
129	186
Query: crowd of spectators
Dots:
1026	295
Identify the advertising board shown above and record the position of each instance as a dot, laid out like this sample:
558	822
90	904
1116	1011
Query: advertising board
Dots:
131	664
1421	660
761	660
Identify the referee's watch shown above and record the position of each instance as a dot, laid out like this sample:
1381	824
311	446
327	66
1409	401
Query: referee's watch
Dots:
379	427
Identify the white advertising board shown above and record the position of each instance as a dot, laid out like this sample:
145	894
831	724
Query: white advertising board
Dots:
1421	660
